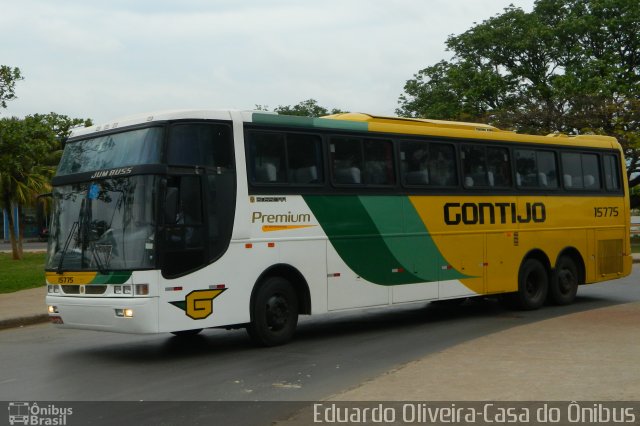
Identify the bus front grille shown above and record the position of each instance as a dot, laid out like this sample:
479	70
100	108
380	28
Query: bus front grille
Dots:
84	289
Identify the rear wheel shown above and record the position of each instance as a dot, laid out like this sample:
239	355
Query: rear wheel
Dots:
274	314
533	285
563	288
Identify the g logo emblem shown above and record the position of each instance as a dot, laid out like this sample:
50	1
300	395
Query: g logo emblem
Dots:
199	303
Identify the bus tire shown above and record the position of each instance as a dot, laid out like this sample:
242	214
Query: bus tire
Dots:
533	285
564	286
274	313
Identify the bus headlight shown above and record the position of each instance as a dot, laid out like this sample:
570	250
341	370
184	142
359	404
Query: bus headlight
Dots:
142	289
124	312
52	309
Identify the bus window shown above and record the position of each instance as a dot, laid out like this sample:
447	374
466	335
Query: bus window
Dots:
526	168
611	173
581	171
415	161
195	144
268	157
141	146
474	166
442	164
432	164
498	167
304	153
547	169
378	162
536	169
346	160
294	158
591	171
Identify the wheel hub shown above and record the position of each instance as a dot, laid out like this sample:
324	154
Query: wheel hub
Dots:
277	312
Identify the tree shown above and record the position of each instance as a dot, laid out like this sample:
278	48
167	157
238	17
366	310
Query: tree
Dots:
569	66
8	78
308	108
23	144
61	125
30	149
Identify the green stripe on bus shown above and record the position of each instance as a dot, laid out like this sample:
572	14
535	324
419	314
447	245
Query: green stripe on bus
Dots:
381	238
407	237
112	278
296	121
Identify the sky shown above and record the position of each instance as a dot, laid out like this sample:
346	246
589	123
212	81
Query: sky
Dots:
112	58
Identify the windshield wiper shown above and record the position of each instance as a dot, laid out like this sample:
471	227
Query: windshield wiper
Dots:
96	257
66	245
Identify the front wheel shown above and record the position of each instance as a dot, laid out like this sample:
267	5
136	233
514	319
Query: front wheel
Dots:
533	285
563	288
274	315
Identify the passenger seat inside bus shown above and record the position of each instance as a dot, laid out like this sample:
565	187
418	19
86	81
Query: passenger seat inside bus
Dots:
266	172
348	175
418	177
304	175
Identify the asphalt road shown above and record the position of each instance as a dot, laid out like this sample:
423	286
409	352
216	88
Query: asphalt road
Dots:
331	353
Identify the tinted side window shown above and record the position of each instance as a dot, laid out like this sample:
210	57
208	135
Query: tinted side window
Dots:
268	157
294	158
581	171
346	160
591	171
304	162
200	144
474	166
547	169
536	169
498	167
611	173
432	164
486	166
378	162
358	161
442	164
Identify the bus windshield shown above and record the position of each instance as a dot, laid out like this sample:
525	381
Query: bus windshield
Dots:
104	225
141	146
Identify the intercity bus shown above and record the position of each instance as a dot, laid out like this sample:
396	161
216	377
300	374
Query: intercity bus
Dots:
180	221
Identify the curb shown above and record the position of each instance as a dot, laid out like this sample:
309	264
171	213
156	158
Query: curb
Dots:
22	321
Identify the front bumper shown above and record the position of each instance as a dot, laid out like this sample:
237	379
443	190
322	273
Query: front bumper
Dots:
91	313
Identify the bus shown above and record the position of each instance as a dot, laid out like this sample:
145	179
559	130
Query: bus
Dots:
185	220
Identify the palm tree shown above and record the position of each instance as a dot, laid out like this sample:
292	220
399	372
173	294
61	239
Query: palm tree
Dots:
24	144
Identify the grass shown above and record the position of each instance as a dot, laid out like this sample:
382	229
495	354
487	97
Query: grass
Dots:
22	274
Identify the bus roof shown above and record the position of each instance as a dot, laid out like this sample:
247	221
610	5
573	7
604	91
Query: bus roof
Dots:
138	119
360	122
459	129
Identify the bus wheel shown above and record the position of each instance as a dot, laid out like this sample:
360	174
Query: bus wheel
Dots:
564	286
275	313
533	285
186	333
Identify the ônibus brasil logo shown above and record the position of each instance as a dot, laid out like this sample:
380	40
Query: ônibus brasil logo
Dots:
28	413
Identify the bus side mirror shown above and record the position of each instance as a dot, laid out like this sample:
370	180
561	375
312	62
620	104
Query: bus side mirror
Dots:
171	205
